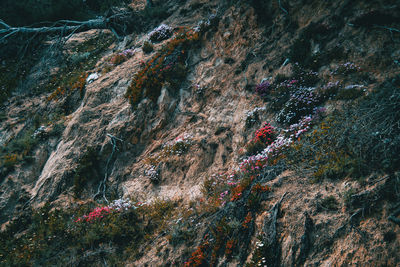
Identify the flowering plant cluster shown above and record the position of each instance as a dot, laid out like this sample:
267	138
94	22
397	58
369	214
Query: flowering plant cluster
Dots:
178	146
152	173
198	256
346	68
119	205
122	56
263	137
265	134
283	141
305	77
287	85
263	88
254	163
247	220
160	33
258	188
301	103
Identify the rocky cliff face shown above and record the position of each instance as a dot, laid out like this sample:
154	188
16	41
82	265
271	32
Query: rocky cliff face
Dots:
213	194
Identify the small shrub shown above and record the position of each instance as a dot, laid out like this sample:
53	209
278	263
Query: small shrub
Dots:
347	196
122	56
263	138
263	89
153	173
147	47
18	150
305	77
346	68
329	203
300	50
159	12
164	66
301	103
178	146
252	116
281	92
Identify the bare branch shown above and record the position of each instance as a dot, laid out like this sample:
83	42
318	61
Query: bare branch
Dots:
64	28
4	24
103	184
280	6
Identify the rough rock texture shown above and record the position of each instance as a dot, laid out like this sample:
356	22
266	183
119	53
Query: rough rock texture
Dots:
244	48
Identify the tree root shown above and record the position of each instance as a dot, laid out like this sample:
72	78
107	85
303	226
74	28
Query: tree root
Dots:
103	184
270	239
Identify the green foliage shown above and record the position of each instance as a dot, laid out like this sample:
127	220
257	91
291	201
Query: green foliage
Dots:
300	50
347	196
254	147
13	71
181	233
158	12
86	170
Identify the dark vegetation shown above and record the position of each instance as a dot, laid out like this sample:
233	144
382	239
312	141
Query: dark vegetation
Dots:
360	139
168	65
16	151
53	237
87	170
26	12
19	149
20	52
147	47
361	136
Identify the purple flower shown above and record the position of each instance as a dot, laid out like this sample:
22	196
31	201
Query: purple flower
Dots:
263	88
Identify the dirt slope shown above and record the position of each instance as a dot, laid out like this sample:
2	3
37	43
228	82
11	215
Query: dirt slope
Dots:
251	41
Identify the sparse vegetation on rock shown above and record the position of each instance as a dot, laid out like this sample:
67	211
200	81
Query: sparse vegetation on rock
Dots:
258	133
